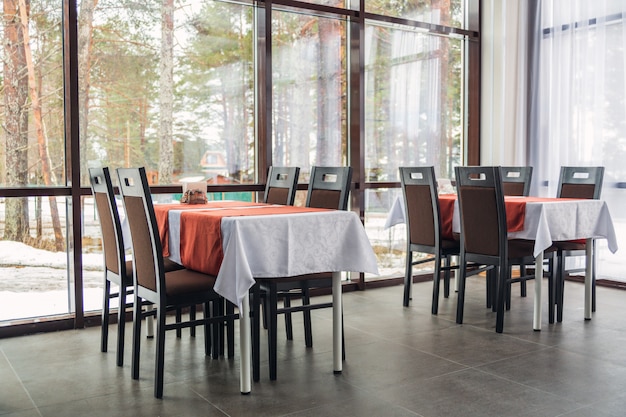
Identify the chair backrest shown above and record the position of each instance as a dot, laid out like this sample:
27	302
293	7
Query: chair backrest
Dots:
329	187
144	232
516	180
423	220
281	185
482	210
110	225
580	182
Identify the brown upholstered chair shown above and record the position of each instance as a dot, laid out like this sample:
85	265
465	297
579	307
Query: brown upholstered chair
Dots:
423	223
484	236
516	182
576	182
117	269
281	186
329	187
166	290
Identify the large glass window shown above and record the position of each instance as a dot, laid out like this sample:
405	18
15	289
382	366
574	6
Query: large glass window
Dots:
182	88
168	86
309	91
413	116
439	12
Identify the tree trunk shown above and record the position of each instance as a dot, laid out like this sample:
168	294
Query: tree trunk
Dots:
42	141
16	123
166	96
85	31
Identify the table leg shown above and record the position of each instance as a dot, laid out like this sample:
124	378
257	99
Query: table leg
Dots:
245	345
337	327
538	283
588	277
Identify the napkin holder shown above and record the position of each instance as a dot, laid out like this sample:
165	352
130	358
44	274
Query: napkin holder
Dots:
194	193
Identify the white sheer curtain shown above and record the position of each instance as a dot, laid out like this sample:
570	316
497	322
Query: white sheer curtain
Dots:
504	64
578	108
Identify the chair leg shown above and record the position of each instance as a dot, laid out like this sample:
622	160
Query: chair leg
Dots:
551	287
192	317
218	330
179	317
560	287
160	353
408	277
508	290
208	342
436	278
288	321
121	325
522	284
272	301
446	277
461	294
502	290
104	330
137	317
308	327
255	310
230	329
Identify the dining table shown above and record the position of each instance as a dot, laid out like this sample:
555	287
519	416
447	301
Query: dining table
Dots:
542	219
240	241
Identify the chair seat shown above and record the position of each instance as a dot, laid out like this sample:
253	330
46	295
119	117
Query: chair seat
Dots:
520	248
168	266
449	244
570	245
186	281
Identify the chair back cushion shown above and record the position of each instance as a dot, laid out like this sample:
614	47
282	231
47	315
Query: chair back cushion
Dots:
281	185
329	187
110	226
580	182
482	210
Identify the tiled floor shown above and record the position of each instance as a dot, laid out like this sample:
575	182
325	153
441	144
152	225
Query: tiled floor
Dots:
400	362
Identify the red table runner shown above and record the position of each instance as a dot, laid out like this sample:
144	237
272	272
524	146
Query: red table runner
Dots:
161	212
200	230
515	212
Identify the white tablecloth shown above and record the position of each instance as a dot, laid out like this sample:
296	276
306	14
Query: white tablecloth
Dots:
545	221
284	245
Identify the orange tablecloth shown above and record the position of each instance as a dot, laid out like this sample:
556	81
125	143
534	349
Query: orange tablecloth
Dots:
200	229
515	212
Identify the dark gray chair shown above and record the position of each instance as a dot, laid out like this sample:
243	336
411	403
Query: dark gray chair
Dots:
329	187
281	186
576	182
117	269
516	182
484	236
165	290
423	224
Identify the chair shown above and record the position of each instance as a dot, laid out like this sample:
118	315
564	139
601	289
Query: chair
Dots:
423	223
484	237
165	290
516	182
117	269
576	182
281	185
329	187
